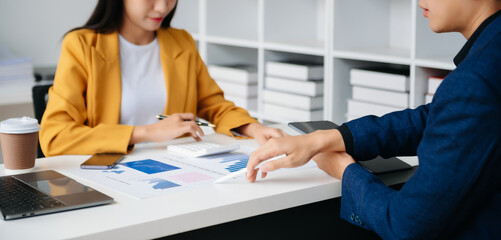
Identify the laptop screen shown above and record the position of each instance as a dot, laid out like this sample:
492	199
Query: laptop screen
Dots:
60	186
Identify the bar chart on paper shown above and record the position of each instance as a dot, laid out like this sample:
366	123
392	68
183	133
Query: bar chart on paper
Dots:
150	166
238	165
231	161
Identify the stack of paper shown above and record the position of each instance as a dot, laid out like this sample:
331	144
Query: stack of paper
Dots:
238	82
16	77
378	91
294	91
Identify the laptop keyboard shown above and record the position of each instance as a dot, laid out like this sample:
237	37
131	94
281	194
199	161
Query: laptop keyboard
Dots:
16	197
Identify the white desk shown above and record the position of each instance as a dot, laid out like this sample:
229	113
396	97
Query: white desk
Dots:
194	208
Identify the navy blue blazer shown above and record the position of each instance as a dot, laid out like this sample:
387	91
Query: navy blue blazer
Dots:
456	191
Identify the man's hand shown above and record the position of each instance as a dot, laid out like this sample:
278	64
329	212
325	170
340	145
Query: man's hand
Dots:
333	163
298	150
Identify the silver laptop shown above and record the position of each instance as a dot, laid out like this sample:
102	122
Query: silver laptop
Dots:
37	193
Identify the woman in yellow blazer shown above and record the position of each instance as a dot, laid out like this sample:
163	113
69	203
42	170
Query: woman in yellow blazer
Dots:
84	107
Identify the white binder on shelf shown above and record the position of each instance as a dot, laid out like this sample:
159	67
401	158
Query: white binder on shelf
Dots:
243	74
307	88
293	100
433	83
380	78
295	70
237	90
372	95
291	114
359	108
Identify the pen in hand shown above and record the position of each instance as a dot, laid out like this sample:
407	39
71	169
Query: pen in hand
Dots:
160	117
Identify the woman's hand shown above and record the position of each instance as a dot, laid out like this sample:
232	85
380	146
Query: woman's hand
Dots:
260	133
169	128
333	163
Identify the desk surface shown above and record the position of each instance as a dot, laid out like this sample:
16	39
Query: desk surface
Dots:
194	208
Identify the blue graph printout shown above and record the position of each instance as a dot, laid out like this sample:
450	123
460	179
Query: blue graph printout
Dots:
161	183
239	164
236	161
116	171
150	166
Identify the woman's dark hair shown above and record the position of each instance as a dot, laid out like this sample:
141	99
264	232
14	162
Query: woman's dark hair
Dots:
108	15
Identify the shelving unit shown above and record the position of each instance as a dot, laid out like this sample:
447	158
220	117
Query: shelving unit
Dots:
340	34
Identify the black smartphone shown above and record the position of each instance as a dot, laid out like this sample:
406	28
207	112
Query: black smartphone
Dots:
377	165
102	161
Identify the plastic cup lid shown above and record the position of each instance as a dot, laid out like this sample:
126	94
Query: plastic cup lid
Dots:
19	125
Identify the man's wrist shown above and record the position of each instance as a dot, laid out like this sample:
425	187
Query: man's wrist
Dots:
328	140
347	164
347	137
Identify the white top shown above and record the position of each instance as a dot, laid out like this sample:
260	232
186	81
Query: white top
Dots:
144	93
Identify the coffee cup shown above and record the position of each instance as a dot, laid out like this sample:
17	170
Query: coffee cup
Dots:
19	140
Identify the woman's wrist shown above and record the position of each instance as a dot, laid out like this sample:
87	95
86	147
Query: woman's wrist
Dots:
139	135
249	129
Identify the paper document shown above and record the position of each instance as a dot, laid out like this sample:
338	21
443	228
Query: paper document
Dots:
162	172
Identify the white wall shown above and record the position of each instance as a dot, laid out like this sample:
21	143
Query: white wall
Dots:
35	28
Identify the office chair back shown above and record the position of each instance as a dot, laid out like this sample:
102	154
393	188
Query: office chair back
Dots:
40	97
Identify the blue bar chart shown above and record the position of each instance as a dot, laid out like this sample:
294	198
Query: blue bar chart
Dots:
237	161
238	165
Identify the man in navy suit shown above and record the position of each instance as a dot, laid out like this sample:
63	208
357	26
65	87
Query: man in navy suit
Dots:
456	191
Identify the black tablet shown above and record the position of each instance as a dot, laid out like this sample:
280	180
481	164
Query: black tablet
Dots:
376	165
308	127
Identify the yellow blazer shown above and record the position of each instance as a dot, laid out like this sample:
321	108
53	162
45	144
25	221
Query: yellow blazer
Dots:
83	111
